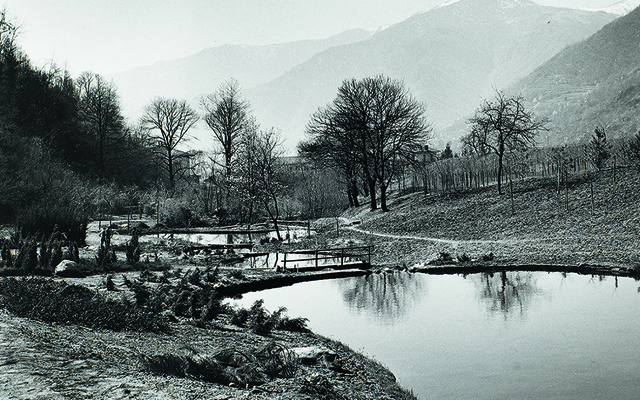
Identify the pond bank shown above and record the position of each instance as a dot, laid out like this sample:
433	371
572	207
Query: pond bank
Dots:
271	282
583	269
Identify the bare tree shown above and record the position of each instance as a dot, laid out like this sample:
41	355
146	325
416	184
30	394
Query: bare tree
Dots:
100	111
244	181
502	125
173	119
376	122
261	178
328	148
226	114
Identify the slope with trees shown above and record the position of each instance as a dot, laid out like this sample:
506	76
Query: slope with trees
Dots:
593	83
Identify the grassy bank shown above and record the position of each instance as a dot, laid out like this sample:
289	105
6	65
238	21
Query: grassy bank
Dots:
166	334
540	225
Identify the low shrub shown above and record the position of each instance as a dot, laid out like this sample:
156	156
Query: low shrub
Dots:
56	301
488	257
463	258
106	253
445	257
246	367
237	274
110	285
133	248
298	324
260	321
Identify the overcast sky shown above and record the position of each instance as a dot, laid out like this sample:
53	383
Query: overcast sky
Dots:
106	36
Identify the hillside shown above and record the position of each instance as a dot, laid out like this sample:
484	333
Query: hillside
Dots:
595	82
450	57
542	230
202	73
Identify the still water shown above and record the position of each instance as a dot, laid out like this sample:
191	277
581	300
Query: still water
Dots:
513	335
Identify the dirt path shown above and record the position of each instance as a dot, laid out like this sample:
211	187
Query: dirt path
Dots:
437	240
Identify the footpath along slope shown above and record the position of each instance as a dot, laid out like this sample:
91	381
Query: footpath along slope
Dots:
540	226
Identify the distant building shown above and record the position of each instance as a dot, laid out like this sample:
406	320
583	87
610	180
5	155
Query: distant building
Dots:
295	163
184	167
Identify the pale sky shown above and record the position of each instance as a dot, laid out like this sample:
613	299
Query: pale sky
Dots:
106	36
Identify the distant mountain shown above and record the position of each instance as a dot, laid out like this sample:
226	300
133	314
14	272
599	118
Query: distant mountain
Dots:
621	8
451	57
593	83
202	73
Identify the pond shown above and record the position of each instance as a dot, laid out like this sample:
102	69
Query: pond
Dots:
290	236
512	335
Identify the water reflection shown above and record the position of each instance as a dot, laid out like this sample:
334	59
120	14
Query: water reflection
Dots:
385	297
507	293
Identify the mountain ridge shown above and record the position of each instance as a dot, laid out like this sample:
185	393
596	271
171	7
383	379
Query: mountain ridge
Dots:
592	83
430	52
191	76
450	57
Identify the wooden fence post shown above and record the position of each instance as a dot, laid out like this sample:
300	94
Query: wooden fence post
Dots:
592	206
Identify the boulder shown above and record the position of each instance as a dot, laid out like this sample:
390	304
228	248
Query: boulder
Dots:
314	355
69	269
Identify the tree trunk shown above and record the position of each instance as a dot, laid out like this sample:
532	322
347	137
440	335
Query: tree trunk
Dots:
500	155
372	194
354	192
350	197
170	169
383	197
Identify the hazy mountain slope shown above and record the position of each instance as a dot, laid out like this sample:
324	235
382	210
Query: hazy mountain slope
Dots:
595	82
202	73
620	8
450	57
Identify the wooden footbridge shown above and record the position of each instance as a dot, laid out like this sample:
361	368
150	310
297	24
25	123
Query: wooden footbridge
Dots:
316	260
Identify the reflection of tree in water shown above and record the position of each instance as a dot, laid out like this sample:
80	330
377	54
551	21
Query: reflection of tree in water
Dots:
388	296
507	292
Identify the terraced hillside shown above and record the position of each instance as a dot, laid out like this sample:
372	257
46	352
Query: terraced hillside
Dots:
593	83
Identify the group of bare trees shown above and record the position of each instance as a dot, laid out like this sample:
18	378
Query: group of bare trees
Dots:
369	132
